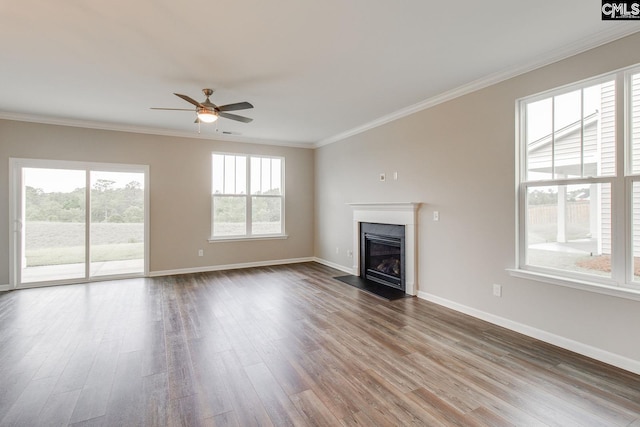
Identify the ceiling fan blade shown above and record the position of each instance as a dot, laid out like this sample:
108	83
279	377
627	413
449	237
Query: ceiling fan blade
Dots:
235	117
173	109
235	107
189	100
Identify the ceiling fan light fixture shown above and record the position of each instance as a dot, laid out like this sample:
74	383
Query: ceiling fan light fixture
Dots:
207	116
208	112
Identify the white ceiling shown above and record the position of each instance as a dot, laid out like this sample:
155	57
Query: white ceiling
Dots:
314	70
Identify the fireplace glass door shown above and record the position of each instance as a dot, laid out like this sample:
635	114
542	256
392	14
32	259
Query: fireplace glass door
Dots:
382	254
383	260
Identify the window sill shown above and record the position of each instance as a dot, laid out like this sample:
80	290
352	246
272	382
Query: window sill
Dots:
600	288
245	238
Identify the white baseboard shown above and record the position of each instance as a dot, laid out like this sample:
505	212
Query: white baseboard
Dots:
622	362
333	265
4	288
229	266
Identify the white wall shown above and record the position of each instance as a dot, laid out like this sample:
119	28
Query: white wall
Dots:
459	158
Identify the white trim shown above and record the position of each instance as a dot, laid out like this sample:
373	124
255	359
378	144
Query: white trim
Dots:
229	266
79	281
4	288
334	265
583	285
617	360
583	45
245	238
88	124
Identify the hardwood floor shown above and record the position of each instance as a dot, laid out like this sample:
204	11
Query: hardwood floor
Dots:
285	345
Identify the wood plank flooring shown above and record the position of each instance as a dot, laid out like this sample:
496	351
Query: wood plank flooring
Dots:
278	346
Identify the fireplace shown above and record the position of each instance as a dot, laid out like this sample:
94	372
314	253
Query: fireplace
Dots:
393	213
382	254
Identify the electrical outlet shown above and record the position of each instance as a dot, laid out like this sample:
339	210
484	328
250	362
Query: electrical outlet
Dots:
200	252
337	250
436	216
497	290
350	253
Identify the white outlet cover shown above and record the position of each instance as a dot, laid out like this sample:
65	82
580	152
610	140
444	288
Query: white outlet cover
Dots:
497	290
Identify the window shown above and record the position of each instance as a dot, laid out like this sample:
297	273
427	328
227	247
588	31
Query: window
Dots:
247	196
579	181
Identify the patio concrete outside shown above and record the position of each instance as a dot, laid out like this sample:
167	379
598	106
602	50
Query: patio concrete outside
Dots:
76	271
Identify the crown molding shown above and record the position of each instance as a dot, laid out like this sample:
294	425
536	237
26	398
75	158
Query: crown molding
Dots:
622	29
88	124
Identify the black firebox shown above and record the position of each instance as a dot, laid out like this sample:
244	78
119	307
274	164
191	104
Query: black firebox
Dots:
382	255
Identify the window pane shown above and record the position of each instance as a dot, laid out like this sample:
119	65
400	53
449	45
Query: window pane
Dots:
266	215
569	228
266	176
241	175
229	175
572	135
55	226
276	176
567	136
636	230
255	175
635	123
600	130
538	139
229	216
117	223
217	171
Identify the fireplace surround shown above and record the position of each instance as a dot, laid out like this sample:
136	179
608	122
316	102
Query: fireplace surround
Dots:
396	213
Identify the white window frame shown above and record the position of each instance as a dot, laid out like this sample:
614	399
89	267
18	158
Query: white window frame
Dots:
247	196
621	283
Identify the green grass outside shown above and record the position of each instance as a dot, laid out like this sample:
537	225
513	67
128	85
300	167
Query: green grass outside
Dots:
45	234
58	243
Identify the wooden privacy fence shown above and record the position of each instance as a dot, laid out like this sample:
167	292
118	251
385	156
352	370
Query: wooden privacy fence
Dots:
576	212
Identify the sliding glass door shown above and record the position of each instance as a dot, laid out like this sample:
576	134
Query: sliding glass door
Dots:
77	221
117	223
54	225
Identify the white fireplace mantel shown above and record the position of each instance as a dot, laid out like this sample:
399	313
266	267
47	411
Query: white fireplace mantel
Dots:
399	213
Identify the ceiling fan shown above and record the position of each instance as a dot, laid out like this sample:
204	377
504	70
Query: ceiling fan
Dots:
208	112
